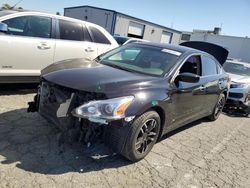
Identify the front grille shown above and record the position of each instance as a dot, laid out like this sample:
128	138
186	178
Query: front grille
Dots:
57	103
65	93
233	86
236	95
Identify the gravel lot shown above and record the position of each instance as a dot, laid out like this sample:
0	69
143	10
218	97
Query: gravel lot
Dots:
202	154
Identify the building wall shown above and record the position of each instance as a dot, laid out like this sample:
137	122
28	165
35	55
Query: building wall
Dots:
151	32
176	38
105	18
238	46
100	17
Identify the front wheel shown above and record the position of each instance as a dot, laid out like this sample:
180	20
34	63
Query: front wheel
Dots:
142	136
218	108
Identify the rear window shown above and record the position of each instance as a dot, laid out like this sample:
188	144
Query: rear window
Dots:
70	30
209	66
98	36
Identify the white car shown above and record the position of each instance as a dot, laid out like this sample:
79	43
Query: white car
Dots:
30	41
239	94
126	40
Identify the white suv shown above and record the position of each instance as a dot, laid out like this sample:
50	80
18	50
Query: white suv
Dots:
30	41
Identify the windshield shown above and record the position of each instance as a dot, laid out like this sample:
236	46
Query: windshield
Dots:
236	68
148	60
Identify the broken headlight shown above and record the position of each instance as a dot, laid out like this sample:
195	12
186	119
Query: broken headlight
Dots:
104	109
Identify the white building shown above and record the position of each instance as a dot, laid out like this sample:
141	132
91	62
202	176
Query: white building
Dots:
124	25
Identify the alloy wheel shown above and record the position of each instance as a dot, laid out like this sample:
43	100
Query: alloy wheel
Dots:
146	136
219	106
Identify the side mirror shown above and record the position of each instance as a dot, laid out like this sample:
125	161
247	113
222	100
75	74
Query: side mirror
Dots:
188	77
3	27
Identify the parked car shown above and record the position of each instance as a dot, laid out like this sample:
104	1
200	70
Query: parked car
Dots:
130	102
126	40
239	94
30	41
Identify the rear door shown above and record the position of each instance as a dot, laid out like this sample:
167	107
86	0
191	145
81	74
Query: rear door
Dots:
27	47
74	41
213	82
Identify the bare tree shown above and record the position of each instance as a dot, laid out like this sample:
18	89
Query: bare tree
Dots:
6	6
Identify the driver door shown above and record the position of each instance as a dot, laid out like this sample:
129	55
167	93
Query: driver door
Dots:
187	99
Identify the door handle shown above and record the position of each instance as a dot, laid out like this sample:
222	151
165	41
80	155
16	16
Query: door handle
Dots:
89	49
43	46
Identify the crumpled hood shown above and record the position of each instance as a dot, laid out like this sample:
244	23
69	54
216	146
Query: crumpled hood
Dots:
94	77
239	78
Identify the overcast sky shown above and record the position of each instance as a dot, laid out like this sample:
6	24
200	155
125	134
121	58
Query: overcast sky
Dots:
232	15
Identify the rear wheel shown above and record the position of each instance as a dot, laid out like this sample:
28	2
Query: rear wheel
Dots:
143	135
218	108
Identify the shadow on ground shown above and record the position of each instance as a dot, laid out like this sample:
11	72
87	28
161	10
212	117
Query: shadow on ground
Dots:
29	142
18	89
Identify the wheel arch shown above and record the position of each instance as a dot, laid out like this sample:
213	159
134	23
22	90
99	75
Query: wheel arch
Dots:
162	115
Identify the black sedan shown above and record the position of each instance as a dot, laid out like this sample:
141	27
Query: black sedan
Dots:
132	95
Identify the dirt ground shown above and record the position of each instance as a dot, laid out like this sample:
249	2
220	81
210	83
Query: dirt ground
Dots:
202	154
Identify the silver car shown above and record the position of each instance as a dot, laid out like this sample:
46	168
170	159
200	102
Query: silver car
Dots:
239	94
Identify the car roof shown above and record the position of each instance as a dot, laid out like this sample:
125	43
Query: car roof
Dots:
23	12
178	48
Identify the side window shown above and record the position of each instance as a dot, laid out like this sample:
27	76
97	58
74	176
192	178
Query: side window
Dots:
32	26
98	36
70	30
192	65
209	66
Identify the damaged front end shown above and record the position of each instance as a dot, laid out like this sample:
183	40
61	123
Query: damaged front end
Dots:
87	117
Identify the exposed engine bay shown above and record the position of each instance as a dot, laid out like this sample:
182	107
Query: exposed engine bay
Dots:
56	103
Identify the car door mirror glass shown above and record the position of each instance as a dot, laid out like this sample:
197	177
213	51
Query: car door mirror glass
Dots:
188	77
3	27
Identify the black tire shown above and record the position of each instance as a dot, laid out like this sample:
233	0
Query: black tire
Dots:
246	111
218	108
145	141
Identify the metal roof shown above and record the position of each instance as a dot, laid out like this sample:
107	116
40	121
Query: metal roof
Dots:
87	6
